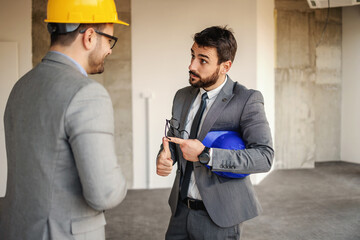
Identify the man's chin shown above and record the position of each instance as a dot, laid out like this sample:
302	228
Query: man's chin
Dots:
98	71
194	82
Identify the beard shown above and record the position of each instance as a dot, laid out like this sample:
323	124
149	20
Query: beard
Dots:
96	62
204	82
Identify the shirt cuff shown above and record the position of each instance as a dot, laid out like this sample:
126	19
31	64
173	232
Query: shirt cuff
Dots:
210	162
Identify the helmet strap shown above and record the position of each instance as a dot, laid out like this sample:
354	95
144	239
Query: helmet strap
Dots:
61	28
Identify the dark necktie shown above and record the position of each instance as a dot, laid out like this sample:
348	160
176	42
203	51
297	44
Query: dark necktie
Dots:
193	134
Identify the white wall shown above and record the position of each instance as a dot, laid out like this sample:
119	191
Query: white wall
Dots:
350	128
15	26
15	60
265	65
162	33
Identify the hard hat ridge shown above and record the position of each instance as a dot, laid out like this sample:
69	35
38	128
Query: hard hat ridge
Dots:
82	11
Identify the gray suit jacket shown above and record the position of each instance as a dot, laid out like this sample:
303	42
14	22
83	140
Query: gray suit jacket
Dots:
236	108
62	167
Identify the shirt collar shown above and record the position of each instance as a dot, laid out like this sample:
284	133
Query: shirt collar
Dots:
213	93
82	70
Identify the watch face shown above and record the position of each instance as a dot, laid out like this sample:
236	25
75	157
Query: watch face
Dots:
204	158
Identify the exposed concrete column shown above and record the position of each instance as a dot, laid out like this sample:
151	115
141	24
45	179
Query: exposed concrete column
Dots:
307	85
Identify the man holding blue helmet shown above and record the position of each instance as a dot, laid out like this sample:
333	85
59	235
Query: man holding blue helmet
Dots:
212	194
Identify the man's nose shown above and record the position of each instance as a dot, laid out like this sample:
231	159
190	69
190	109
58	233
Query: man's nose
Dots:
192	66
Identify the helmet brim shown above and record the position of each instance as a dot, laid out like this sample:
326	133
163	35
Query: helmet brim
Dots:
116	22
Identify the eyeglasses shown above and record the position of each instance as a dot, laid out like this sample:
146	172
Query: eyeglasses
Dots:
171	126
112	39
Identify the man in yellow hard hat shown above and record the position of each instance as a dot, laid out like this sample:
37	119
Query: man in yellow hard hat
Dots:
59	128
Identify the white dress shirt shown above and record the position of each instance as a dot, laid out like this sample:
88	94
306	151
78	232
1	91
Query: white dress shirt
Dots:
193	191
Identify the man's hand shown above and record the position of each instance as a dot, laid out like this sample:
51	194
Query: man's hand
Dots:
164	163
191	148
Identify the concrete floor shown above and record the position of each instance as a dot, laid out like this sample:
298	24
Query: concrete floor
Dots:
308	204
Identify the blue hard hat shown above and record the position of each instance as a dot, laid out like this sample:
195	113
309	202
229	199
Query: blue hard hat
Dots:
225	140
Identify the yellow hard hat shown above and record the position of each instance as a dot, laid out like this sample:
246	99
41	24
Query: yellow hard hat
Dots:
82	11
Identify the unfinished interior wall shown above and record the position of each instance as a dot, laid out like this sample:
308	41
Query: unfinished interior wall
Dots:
116	78
307	85
350	129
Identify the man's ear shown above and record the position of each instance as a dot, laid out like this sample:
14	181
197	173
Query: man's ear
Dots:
226	66
89	38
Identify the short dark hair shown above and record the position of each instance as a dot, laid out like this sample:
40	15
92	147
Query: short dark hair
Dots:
220	38
66	39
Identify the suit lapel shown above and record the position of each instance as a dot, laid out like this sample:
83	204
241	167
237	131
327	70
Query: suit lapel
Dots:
224	97
187	104
185	112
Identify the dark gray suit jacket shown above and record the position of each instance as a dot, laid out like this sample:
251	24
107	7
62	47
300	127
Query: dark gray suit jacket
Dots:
236	108
62	166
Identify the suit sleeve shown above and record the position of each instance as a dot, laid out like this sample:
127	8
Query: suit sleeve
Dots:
89	123
258	155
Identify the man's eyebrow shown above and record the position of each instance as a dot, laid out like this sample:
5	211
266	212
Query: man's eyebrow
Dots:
204	56
201	55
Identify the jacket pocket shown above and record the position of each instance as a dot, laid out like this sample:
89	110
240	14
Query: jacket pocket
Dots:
87	224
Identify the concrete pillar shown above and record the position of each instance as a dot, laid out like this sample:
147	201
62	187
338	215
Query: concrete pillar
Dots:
307	85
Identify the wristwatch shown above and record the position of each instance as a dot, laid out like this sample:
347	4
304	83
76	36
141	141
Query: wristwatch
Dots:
204	156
